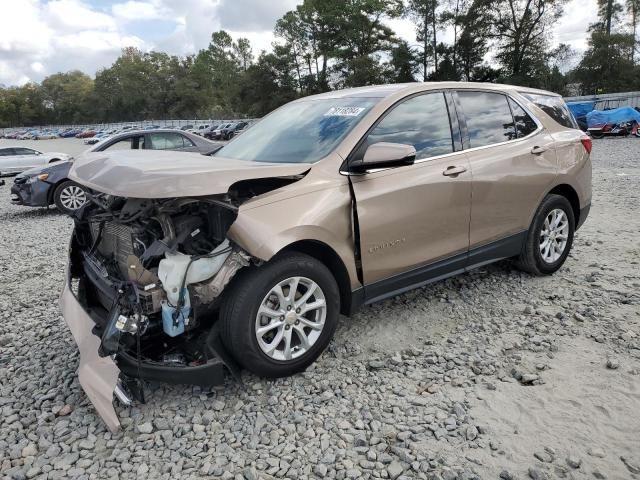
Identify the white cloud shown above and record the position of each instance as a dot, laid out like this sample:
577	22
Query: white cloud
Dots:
572	27
38	38
138	11
22	29
75	15
37	67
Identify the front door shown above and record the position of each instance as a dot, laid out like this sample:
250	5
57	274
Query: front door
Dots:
415	215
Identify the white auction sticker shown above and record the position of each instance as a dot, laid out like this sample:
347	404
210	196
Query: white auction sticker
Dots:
344	112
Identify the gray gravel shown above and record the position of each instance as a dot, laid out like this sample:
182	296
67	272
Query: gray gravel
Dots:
476	377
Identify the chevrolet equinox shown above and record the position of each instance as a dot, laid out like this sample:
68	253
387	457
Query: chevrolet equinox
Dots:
182	264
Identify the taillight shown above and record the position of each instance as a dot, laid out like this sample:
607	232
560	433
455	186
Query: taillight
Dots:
586	143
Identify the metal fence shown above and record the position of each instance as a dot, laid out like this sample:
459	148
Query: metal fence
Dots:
141	124
609	100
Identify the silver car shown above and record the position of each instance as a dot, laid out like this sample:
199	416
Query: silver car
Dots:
18	159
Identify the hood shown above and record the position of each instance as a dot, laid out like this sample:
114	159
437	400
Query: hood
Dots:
48	168
160	174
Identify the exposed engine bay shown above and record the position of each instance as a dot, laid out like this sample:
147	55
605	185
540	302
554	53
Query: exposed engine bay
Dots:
150	273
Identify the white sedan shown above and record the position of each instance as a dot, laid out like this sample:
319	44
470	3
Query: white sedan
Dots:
18	159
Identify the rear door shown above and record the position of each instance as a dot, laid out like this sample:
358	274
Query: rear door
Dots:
7	160
512	160
413	216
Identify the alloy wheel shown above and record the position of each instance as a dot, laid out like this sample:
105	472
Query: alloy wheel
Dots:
291	318
554	235
72	197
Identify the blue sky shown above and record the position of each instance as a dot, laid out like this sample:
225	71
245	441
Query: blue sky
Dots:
41	37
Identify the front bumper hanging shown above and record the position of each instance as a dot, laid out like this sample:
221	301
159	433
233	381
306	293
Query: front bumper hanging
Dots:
98	375
102	377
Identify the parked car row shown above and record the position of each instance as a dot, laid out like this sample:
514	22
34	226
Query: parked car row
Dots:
49	184
93	135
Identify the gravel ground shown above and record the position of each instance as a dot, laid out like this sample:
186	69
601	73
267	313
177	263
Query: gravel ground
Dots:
491	375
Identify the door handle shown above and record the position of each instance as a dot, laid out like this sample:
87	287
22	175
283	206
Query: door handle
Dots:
538	150
453	171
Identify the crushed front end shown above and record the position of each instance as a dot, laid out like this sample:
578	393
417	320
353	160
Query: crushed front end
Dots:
144	283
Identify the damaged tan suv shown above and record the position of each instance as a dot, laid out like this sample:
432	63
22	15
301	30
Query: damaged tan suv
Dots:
182	264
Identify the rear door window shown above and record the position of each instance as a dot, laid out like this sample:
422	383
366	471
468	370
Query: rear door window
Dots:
554	107
525	125
488	117
24	151
129	143
421	121
166	141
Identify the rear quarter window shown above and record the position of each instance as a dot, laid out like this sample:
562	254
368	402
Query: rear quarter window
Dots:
554	107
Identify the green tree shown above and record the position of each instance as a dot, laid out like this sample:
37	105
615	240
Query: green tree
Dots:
473	41
23	106
242	51
424	14
362	38
633	11
404	64
606	65
522	29
267	84
68	96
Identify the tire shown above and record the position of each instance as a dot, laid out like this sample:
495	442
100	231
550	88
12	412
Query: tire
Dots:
254	287
535	258
67	197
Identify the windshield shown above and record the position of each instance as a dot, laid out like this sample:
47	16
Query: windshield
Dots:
300	132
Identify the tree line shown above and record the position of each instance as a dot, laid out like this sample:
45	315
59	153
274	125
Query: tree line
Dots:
329	44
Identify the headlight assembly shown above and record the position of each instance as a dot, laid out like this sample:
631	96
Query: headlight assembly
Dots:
42	177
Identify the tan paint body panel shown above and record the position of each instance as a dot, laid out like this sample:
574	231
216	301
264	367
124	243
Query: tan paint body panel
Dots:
98	375
316	208
411	216
508	181
574	164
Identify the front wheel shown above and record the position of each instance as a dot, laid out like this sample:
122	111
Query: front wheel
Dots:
549	238
278	318
69	197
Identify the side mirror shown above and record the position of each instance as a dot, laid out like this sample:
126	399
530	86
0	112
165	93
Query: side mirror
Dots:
384	155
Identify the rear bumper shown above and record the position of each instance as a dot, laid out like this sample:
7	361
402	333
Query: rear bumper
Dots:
98	375
584	213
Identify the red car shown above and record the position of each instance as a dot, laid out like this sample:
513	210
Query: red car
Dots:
86	134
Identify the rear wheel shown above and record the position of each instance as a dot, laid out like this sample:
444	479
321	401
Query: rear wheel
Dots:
69	197
550	237
278	318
